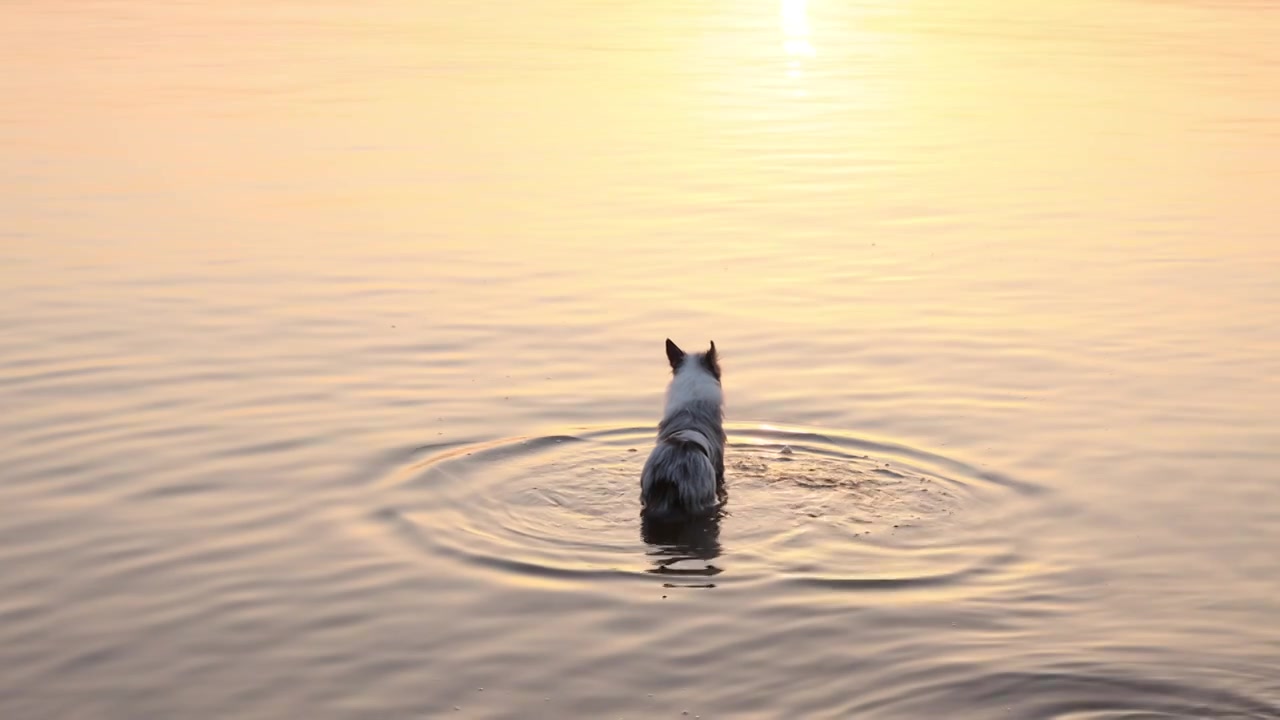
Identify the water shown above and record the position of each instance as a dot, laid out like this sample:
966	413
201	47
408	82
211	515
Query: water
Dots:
331	346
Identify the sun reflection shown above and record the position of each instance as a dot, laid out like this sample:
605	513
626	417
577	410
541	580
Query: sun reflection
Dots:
795	28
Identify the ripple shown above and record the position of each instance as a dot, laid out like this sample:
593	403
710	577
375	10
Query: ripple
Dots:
1083	692
806	508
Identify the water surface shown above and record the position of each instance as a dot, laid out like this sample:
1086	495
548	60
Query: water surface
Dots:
331	346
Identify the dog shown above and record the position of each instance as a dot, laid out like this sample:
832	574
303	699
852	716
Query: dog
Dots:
684	475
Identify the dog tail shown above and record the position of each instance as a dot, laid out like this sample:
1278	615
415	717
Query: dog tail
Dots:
662	501
678	481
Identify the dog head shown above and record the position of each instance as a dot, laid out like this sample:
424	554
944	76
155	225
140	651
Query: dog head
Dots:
682	362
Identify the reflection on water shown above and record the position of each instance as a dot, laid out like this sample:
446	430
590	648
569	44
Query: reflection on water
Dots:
795	28
326	358
683	549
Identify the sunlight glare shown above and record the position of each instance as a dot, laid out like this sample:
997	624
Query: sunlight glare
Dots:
795	28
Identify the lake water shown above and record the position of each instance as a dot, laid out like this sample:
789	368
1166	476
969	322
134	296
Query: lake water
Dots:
331	345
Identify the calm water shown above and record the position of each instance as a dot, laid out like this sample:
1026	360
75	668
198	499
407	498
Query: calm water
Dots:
331	346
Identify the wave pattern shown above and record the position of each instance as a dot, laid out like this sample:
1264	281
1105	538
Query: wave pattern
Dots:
804	507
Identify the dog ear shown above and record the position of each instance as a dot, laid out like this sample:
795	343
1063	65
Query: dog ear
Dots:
711	361
675	355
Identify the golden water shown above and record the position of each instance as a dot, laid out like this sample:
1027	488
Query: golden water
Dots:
331	344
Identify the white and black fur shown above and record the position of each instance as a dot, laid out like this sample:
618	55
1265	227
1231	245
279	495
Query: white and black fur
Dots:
684	475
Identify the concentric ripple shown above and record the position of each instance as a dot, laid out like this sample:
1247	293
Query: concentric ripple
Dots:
805	507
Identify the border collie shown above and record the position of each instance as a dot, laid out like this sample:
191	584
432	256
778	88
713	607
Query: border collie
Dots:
684	475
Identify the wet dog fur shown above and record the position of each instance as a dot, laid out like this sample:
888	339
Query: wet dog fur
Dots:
684	475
